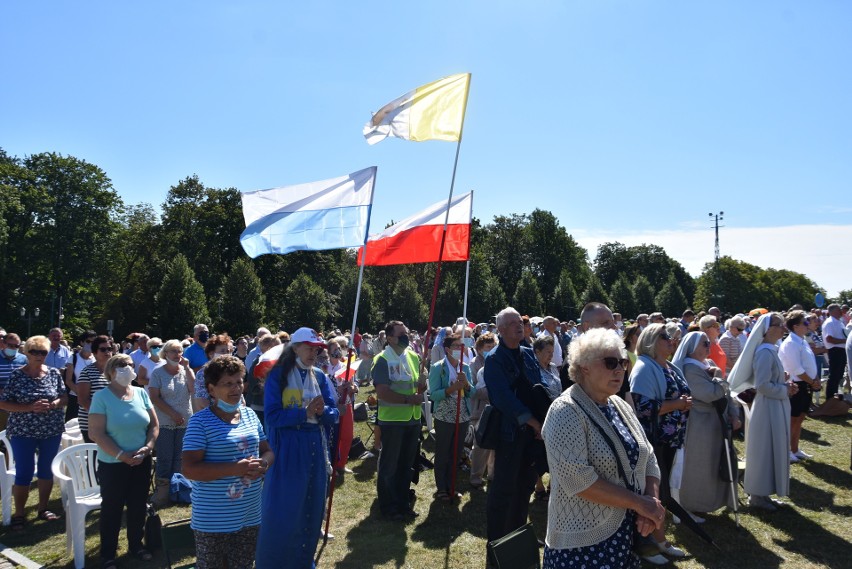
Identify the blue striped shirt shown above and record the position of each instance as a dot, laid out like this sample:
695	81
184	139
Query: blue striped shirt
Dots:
231	503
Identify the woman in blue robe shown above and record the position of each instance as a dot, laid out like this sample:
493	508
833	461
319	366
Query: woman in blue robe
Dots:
297	403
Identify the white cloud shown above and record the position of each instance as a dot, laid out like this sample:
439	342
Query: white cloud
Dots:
801	248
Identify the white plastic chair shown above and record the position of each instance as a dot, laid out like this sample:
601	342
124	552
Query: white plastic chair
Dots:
7	478
747	414
74	467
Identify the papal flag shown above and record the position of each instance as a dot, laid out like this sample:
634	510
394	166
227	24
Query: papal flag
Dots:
329	214
432	112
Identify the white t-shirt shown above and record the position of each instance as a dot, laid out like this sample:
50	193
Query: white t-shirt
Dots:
138	356
150	365
834	328
81	365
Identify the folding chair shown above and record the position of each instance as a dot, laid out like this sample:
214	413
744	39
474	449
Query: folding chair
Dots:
178	536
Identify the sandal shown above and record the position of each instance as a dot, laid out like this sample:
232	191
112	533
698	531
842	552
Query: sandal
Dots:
442	495
108	564
48	516
541	496
144	555
18	523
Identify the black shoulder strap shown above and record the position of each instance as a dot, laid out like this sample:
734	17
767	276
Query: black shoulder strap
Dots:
612	448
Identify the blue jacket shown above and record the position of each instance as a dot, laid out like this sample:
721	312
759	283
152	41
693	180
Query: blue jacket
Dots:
501	376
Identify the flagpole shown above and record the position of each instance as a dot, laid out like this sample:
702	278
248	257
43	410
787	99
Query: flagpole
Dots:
467	267
349	357
444	232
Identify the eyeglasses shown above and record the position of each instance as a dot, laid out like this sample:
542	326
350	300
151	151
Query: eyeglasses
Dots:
706	343
612	363
123	364
665	337
459	346
105	349
740	329
806	322
13	346
42	353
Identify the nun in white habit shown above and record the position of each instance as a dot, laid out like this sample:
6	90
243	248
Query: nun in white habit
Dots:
768	435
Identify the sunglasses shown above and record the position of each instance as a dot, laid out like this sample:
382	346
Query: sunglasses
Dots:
42	353
665	337
706	343
105	349
613	363
740	329
807	322
123	364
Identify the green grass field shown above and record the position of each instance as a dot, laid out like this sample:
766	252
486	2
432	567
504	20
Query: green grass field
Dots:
813	530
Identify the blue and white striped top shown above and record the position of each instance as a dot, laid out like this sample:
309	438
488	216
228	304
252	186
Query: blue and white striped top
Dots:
228	504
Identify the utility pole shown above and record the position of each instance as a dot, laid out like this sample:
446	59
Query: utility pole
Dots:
718	217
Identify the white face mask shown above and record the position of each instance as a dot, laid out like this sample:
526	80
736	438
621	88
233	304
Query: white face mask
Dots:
456	354
173	362
124	375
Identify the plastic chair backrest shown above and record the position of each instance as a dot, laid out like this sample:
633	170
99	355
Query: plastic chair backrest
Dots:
10	456
76	465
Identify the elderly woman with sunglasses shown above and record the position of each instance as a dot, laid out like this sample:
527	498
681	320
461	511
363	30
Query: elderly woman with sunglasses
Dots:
34	397
662	398
702	489
604	475
123	423
91	380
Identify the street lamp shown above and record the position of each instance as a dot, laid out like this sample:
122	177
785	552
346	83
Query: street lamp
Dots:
29	317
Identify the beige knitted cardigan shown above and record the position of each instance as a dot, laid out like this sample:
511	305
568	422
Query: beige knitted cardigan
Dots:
578	456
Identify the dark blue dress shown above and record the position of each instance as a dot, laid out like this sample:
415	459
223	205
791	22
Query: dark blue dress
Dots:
616	551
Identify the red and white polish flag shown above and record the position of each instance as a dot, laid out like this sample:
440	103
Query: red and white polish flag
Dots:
417	239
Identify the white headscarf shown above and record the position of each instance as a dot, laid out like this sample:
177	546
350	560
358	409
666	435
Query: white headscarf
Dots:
686	347
742	376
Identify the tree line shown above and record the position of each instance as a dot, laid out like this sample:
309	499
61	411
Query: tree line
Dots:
67	237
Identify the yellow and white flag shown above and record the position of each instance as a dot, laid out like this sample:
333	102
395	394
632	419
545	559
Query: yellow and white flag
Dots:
432	112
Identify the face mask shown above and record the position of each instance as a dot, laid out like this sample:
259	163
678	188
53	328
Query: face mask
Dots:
468	342
156	350
10	352
456	354
402	341
535	330
87	347
173	362
619	324
227	407
203	336
124	375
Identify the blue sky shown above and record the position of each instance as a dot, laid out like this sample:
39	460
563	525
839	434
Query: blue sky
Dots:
625	119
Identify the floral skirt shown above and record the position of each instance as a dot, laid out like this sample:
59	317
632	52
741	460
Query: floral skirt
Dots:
616	552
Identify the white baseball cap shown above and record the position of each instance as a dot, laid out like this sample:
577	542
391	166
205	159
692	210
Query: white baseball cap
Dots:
308	336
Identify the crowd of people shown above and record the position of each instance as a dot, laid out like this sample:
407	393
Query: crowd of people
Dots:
607	420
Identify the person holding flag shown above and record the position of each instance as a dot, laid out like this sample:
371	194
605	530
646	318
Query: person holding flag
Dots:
396	375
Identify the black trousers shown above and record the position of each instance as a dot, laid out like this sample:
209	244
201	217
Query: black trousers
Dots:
123	486
396	467
836	366
508	503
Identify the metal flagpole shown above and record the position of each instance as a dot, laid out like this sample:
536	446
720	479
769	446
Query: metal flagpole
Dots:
349	357
461	370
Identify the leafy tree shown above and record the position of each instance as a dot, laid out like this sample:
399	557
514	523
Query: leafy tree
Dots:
671	300
369	310
644	295
181	300
731	285
243	300
651	261
623	298
407	304
306	304
551	251
527	298
485	295
843	297
566	305
594	293
506	249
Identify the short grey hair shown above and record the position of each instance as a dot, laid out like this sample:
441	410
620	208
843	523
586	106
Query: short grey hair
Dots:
590	346
501	316
706	322
736	322
171	345
152	341
198	327
647	343
673	330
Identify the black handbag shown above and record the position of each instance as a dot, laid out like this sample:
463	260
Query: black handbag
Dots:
517	550
488	429
153	527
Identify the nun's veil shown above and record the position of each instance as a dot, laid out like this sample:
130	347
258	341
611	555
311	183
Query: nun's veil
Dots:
685	348
741	377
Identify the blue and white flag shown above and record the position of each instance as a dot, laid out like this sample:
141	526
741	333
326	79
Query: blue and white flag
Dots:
329	214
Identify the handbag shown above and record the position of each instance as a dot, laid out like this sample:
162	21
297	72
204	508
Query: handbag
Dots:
517	550
488	429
